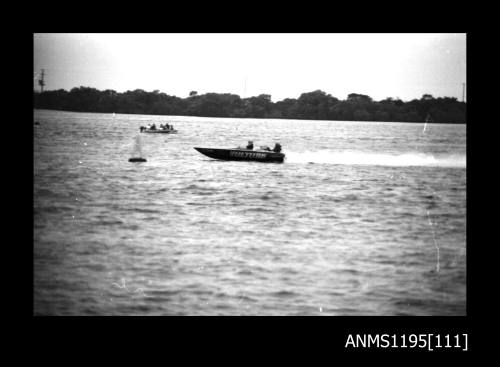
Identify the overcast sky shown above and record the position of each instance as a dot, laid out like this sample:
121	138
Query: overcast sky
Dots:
283	65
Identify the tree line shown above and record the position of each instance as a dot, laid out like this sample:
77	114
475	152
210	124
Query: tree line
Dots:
316	105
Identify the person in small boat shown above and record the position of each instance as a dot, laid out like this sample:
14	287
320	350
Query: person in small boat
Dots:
250	145
167	126
153	127
277	147
142	128
171	127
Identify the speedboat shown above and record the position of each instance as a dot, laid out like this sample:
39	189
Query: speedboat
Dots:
241	154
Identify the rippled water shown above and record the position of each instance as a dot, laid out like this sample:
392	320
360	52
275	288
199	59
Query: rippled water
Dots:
363	218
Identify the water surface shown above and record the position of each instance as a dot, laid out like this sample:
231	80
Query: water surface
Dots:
363	218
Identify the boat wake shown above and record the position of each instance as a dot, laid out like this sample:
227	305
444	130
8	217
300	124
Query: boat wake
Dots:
380	159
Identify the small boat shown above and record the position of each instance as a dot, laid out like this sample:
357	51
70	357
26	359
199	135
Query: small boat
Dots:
137	159
159	131
242	154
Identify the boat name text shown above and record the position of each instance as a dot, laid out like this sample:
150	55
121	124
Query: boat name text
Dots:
247	155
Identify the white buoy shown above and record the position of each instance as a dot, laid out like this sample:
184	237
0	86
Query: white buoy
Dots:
137	149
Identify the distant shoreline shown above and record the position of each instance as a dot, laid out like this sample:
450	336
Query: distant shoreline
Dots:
316	105
250	118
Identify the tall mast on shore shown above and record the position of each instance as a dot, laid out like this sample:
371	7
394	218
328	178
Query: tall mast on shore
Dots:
463	92
41	82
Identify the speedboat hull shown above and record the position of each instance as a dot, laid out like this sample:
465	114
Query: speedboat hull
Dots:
242	155
159	131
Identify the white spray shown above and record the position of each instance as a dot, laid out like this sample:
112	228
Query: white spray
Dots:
376	159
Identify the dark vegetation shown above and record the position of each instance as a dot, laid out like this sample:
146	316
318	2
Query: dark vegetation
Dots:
315	105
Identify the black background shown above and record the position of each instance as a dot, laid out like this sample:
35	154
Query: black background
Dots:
239	340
